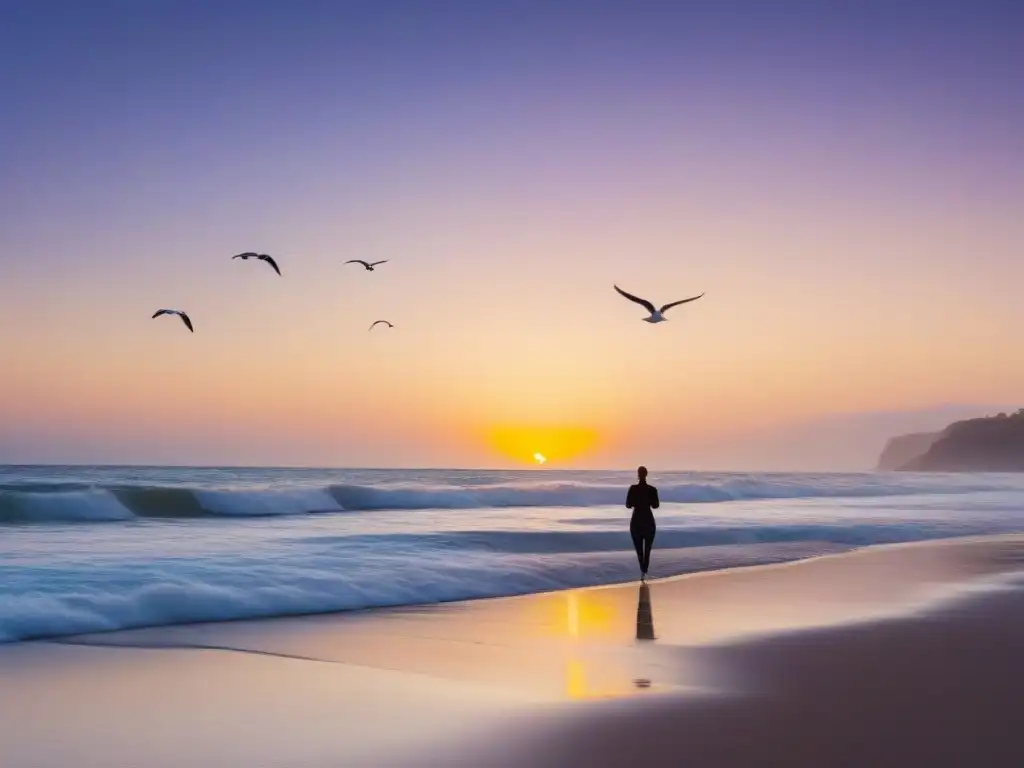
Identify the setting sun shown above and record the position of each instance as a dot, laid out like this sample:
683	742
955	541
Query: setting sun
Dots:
539	445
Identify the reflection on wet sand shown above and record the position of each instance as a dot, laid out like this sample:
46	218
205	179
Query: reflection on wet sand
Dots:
644	615
596	666
590	671
644	625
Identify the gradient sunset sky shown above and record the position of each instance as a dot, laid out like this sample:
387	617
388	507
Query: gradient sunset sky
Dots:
845	181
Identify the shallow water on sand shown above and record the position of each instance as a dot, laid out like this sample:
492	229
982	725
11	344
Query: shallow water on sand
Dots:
86	549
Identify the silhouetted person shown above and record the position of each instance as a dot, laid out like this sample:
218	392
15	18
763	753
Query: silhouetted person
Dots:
642	498
644	614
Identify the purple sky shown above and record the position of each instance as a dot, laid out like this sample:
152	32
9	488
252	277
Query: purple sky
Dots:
844	179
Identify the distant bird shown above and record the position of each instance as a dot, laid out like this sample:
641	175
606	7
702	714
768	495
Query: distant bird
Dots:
657	315
179	313
378	322
368	264
261	257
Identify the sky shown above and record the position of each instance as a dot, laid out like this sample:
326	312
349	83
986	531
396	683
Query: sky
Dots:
844	181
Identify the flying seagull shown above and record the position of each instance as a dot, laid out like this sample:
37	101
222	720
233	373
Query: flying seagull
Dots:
261	257
368	264
179	313
657	315
378	322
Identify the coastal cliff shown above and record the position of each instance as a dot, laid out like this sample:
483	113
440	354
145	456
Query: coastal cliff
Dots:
900	451
989	444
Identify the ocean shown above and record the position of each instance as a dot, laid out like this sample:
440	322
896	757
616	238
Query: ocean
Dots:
86	549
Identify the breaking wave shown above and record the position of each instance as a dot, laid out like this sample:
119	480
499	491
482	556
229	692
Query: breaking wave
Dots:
91	549
68	503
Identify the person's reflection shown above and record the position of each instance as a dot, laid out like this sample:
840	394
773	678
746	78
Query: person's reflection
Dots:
644	615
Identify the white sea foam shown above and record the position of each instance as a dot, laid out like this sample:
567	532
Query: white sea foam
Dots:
131	597
201	545
95	505
55	503
266	502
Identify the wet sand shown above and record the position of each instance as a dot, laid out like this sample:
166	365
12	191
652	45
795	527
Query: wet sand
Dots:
891	655
946	689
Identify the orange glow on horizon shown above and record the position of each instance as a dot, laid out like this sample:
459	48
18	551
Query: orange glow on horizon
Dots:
557	444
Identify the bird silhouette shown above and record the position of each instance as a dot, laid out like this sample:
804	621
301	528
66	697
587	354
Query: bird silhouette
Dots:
261	257
657	315
368	264
184	318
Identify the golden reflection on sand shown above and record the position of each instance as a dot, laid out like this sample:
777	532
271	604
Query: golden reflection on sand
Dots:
588	615
592	670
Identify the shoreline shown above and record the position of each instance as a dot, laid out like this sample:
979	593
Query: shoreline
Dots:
543	679
759	555
938	687
683	561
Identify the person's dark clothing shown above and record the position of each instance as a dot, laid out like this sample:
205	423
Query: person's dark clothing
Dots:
642	498
643	540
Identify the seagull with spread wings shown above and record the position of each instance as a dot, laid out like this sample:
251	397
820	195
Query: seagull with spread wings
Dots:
179	313
369	265
378	322
657	315
261	256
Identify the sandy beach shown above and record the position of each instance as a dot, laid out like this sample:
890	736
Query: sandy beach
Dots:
892	655
359	360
